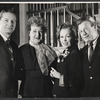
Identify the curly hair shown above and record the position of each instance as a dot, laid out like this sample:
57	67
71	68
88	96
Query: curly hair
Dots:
71	28
38	21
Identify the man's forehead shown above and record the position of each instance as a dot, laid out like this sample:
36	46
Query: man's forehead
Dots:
84	24
8	15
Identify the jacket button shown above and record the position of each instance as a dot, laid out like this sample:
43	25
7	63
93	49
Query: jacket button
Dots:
11	89
91	78
89	66
70	85
12	59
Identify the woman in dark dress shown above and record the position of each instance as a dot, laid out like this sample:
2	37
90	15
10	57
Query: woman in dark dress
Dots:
69	69
34	60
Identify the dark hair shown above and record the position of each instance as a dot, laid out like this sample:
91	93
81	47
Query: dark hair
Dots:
38	21
71	28
9	10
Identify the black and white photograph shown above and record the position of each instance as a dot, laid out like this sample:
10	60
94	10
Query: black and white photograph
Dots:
50	50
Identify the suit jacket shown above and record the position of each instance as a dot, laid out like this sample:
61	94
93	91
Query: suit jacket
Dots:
91	72
34	83
8	83
71	68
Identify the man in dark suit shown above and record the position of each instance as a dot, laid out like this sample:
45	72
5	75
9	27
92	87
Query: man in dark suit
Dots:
8	83
87	29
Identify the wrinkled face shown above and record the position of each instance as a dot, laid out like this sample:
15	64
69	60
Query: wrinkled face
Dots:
87	32
65	37
7	24
36	34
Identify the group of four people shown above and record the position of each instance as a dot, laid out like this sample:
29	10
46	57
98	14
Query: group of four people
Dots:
42	72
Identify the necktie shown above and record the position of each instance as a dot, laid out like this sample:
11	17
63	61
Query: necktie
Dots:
90	51
10	49
9	46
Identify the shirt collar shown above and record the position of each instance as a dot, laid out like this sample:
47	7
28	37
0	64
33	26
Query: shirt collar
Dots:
95	41
4	38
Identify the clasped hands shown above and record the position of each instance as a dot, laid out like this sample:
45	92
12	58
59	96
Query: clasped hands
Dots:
54	73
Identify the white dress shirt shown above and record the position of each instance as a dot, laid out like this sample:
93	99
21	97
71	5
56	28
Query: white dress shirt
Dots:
4	38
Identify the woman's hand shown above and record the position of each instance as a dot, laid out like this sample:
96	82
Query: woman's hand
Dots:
54	73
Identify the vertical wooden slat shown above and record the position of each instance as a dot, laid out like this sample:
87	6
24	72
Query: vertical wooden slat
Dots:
47	6
71	19
39	6
45	15
74	6
48	24
57	17
58	44
50	5
39	15
92	9
51	26
33	7
45	33
98	8
43	6
36	6
57	4
86	8
64	14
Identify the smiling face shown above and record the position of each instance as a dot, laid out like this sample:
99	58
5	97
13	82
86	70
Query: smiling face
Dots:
7	24
87	32
66	37
36	34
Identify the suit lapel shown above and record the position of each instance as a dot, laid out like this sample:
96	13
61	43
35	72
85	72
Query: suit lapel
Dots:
97	49
3	44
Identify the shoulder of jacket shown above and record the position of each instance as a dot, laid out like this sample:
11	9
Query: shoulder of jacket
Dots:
24	46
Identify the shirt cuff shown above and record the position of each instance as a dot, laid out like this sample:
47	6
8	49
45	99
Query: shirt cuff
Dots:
61	81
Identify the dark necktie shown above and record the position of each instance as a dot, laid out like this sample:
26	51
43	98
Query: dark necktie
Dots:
11	51
9	46
90	51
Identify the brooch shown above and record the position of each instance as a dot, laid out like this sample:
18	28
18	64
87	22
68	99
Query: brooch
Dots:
62	56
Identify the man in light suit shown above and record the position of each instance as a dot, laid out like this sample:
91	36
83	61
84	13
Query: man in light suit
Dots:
8	49
87	29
